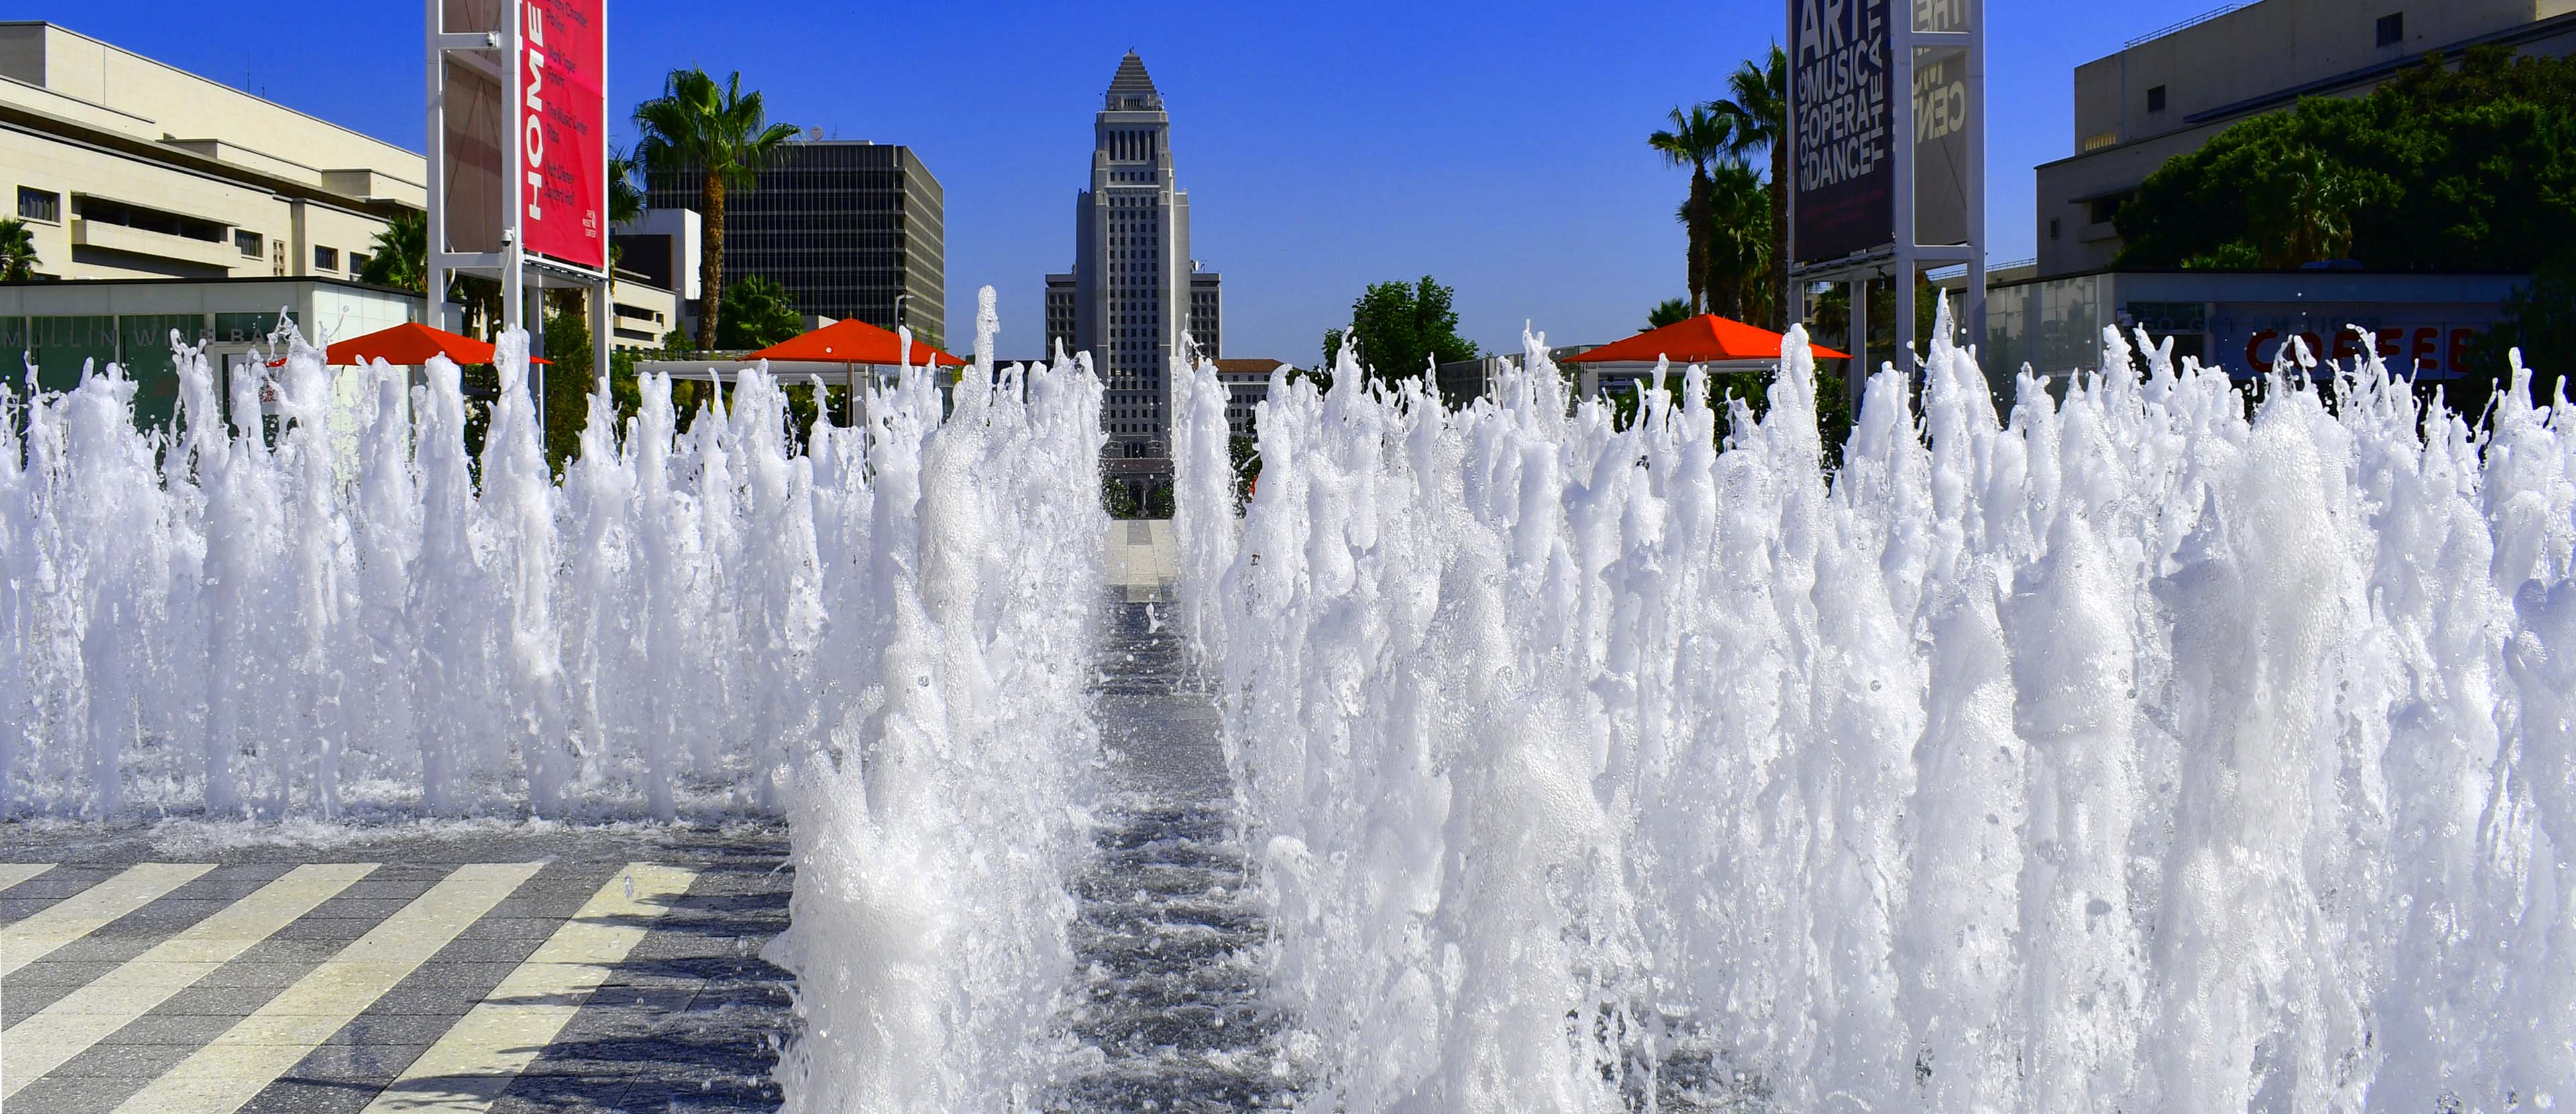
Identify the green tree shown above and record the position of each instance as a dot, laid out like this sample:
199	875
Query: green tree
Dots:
2540	319
1739	238
724	133
1699	135
17	251
1670	311
1245	455
1758	105
757	313
399	257
625	202
570	379
1403	328
625	194
2467	168
1114	496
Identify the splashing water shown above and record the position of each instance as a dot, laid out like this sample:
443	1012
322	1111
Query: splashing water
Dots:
931	927
2125	751
886	632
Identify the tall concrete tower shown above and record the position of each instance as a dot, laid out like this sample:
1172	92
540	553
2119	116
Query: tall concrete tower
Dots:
1134	294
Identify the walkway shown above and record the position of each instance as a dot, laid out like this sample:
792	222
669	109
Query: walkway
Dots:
589	970
1169	929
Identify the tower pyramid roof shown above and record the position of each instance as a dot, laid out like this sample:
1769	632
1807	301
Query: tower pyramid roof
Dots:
1131	77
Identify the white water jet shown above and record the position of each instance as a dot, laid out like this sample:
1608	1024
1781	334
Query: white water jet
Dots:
2125	750
885	632
930	931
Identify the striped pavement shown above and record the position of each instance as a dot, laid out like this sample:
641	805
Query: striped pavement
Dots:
557	982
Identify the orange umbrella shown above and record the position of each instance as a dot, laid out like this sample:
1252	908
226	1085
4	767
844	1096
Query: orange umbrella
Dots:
1704	339
853	341
408	344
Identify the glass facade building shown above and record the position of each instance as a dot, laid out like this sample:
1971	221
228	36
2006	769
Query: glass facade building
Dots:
851	229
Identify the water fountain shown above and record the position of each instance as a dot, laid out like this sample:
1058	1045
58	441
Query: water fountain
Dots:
886	632
2127	749
2122	751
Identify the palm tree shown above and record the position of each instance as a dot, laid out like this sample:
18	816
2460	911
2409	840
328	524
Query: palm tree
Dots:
1670	311
399	257
17	251
625	202
1739	237
724	133
2312	200
1758	106
625	198
1697	137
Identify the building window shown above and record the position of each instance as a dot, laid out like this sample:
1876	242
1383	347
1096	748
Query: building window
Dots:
2156	99
2392	28
326	259
2052	228
43	205
249	243
2101	210
357	263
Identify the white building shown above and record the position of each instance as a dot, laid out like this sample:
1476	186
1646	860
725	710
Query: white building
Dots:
1134	293
2168	93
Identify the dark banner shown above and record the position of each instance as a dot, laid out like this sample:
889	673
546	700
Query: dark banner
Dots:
1941	149
1942	126
1843	178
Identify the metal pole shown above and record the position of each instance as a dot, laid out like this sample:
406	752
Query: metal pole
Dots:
1859	373
603	312
1976	316
514	271
603	316
1901	94
434	267
536	326
1795	312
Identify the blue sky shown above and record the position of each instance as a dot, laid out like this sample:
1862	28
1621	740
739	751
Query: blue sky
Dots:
1498	146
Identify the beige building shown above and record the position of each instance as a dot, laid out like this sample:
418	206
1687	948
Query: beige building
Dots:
124	167
2168	93
164	201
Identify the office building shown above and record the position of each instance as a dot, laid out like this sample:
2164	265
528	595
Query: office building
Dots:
2166	94
850	228
1134	296
1247	385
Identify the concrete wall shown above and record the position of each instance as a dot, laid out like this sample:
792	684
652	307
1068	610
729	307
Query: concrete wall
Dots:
2266	47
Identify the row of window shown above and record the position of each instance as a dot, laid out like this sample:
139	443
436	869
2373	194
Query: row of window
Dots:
47	206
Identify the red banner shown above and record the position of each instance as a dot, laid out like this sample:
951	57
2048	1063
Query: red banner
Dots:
563	131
